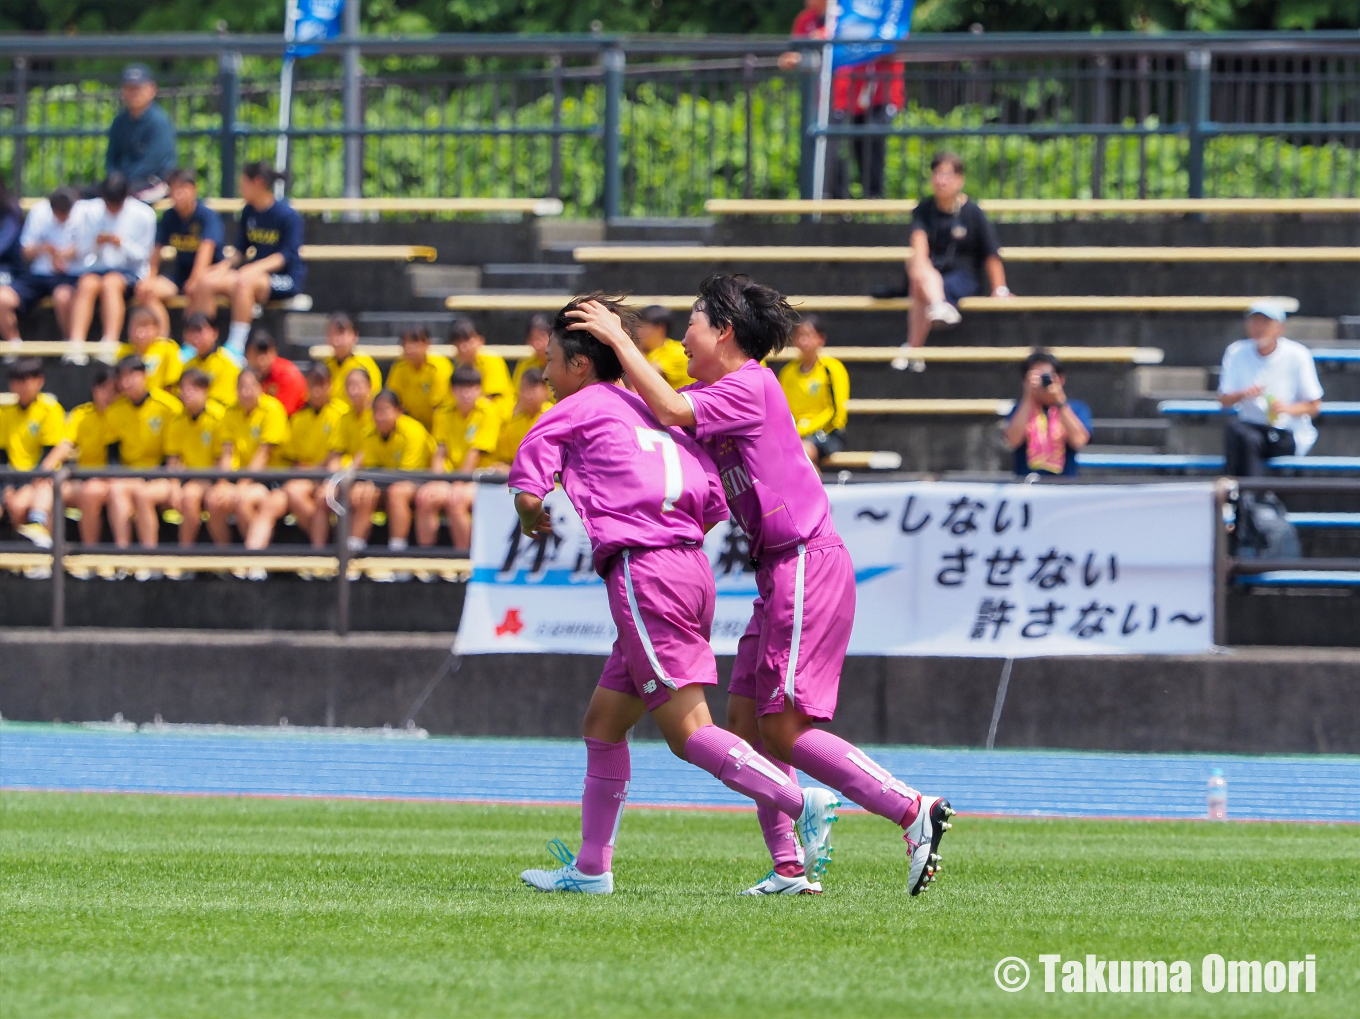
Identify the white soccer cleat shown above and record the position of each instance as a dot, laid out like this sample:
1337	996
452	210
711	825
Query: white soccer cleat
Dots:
567	878
943	313
923	837
814	828
775	883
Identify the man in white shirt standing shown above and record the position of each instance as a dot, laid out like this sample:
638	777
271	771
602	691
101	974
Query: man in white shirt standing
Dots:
117	233
1271	382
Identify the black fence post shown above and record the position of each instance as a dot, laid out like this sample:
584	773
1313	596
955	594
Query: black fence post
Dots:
20	122
807	148
613	60
229	85
342	533
58	525
1100	116
1197	64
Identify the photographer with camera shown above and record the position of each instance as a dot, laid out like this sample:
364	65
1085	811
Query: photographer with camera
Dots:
1046	428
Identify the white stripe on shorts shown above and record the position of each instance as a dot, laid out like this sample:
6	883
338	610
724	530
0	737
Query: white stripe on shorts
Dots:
797	622
642	627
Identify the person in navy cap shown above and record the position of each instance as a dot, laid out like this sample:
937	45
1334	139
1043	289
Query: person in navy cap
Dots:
141	137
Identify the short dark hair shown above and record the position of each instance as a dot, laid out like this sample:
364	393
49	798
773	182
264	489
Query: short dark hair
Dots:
63	200
760	318
181	175
655	314
26	368
1037	357
415	334
462	328
339	320
198	320
532	377
114	189
252	373
131	363
261	342
387	394
579	343
538	323
465	375
196	378
101	376
954	160
368	379
260	170
813	322
319	373
140	311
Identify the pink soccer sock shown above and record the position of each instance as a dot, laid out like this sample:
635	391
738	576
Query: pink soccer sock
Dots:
608	772
844	767
733	762
777	827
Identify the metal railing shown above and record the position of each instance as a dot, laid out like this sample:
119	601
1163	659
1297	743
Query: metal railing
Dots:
657	125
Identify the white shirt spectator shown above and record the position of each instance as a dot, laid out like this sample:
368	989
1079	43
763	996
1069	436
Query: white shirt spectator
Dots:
134	225
41	227
1286	375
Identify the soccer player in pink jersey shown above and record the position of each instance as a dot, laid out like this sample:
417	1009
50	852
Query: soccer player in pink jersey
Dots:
787	673
646	495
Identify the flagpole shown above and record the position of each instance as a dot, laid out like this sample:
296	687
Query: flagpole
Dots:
824	102
285	97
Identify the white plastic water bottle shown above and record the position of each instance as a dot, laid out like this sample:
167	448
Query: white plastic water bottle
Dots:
1217	798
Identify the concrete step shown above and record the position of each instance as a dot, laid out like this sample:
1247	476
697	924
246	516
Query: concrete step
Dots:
534	276
438	281
1157	378
1123	432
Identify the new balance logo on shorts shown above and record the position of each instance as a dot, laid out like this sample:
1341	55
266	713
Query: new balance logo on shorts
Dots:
649	686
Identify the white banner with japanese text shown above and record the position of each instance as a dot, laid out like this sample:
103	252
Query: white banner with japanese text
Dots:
978	570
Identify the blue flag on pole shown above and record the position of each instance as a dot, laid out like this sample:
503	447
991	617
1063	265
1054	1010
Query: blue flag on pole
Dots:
870	20
315	20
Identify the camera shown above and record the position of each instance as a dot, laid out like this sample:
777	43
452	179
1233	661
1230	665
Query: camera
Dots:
1046	380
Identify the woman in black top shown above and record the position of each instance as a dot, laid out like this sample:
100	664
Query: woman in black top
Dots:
953	246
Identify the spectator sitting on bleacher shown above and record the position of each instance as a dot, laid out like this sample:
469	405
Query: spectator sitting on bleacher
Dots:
142	137
469	351
193	442
396	442
91	438
141	419
466	431
420	379
116	234
315	441
30	430
281	378
11	260
663	353
817	387
266	265
49	242
953	245
159	353
195	232
201	336
536	336
529	407
1272	384
343	338
254	433
358	419
1046	429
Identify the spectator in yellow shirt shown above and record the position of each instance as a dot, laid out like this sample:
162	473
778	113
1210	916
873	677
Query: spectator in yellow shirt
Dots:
159	353
420	379
254	433
818	388
358	419
536	338
663	353
30	430
193	443
316	441
90	437
469	352
217	364
396	442
466	430
343	338
533	401
141	419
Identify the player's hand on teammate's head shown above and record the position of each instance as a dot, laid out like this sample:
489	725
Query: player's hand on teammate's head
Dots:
600	322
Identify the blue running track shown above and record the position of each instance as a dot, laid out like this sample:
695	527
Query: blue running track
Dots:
1010	782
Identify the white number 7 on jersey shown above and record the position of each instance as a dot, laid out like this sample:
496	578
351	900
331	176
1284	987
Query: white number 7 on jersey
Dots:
652	438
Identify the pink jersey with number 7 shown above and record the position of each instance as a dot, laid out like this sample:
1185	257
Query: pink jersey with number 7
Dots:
635	483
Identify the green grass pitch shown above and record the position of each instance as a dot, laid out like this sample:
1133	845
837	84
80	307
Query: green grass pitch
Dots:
145	906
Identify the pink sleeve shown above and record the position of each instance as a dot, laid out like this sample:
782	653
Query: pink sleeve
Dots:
734	405
541	454
715	507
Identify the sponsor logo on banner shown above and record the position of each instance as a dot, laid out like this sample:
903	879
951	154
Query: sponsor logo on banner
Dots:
940	569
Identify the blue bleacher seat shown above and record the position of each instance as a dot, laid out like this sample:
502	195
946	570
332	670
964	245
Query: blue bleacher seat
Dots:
1301	578
1209	462
1199	408
1321	520
1337	355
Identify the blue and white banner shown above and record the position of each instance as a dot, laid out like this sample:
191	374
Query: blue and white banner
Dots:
311	21
886	20
972	570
